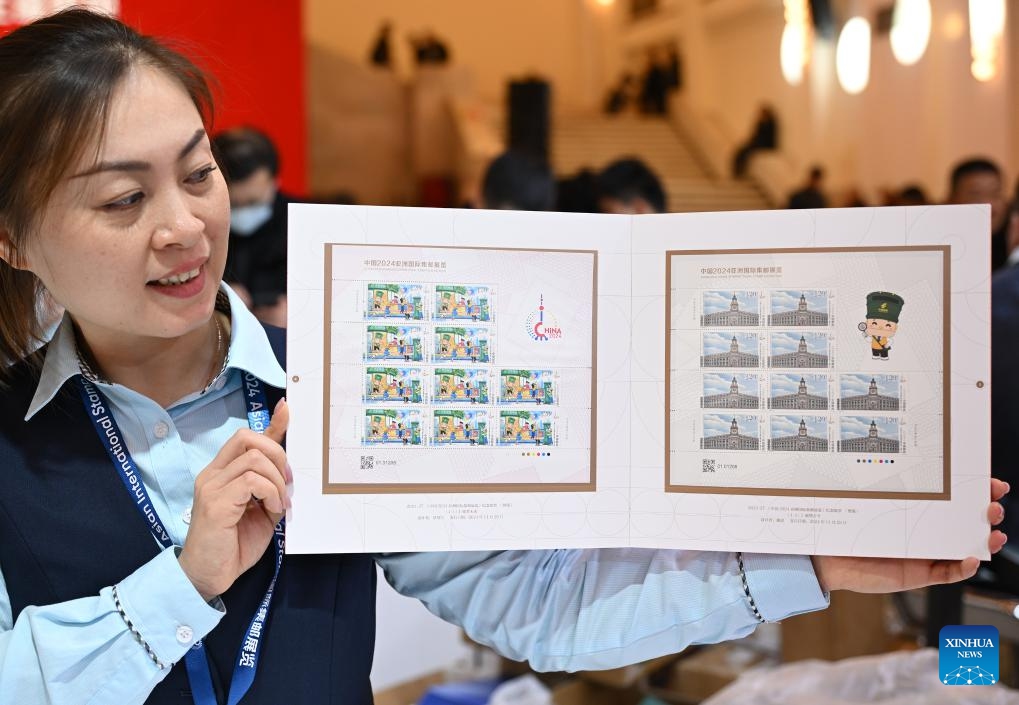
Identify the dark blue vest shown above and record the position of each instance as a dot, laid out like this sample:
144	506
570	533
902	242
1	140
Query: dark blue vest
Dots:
68	528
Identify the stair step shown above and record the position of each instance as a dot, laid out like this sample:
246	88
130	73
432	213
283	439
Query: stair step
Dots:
594	142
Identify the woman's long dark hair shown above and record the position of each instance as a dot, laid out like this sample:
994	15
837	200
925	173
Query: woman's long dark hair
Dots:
57	77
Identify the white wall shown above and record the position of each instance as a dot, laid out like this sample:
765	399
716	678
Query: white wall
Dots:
410	641
910	124
497	39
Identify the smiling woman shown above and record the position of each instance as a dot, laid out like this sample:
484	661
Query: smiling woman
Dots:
112	204
143	483
62	111
133	241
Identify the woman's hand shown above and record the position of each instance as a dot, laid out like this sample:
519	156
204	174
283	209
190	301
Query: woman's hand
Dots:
894	574
239	499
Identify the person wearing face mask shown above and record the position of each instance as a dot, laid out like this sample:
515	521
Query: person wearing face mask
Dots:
256	266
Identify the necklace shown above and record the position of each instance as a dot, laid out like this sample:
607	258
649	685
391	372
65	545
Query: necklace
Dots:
215	374
220	353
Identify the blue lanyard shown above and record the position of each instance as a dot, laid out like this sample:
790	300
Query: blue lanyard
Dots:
199	674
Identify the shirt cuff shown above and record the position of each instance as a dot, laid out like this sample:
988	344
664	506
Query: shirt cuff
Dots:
783	585
164	606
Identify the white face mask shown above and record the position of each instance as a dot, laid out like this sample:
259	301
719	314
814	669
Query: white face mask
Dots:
245	220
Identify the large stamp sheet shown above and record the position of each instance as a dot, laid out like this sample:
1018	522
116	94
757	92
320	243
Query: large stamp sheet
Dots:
783	381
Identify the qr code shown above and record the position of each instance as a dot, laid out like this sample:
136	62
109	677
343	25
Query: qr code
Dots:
707	465
367	462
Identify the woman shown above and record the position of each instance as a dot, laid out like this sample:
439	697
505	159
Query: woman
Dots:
139	502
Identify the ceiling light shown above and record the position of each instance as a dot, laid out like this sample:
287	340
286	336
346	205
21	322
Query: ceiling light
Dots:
852	56
911	30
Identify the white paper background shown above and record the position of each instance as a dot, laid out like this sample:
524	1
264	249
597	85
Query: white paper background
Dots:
630	506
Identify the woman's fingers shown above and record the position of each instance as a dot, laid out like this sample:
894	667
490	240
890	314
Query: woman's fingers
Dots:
256	474
246	440
999	489
996	541
229	531
252	486
966	568
254	469
944	572
280	421
995	513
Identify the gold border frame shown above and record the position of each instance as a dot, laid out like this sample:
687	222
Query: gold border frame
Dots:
408	488
946	263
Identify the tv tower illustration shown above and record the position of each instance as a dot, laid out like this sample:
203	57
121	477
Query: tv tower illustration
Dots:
539	327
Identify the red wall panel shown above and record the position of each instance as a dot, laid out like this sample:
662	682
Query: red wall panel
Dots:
254	49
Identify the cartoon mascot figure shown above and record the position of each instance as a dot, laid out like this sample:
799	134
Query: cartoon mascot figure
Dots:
883	309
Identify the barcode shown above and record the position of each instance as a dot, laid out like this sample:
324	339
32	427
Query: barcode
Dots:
707	465
367	462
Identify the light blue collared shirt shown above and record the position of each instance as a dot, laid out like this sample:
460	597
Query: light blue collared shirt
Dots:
559	609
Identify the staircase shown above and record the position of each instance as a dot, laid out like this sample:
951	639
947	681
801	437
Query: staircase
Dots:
593	142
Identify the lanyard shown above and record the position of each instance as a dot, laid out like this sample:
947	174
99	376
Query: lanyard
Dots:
199	674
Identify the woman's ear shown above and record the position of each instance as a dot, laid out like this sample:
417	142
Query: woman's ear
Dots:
7	251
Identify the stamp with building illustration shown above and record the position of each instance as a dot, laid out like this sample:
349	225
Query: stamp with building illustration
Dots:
470	344
731	432
394	343
799	391
528	387
399	301
399	427
532	427
460	427
737	349
870	392
463	386
727	308
731	391
393	384
870	434
807	349
798	307
798	432
463	303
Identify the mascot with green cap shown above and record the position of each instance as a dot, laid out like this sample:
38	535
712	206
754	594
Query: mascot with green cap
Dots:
883	309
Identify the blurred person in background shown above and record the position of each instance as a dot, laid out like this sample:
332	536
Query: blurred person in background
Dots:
578	193
427	48
1012	229
655	88
629	186
516	182
674	68
979	180
380	53
912	195
620	95
1004	371
256	265
764	136
854	198
812	194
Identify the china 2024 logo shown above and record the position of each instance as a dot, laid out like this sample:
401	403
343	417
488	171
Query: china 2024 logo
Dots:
542	325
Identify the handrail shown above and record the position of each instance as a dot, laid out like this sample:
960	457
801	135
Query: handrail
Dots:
712	137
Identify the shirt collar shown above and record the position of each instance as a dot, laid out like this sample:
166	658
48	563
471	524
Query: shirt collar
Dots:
249	352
